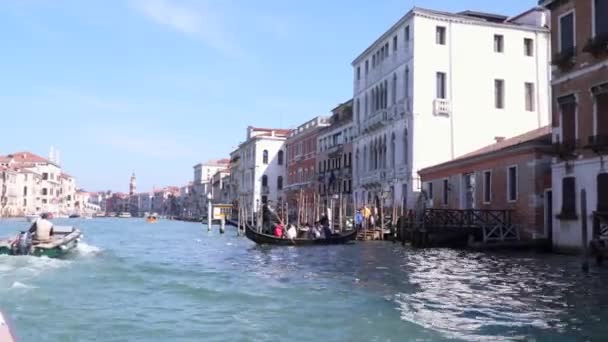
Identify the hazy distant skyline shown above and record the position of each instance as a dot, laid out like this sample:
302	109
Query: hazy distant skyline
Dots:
157	86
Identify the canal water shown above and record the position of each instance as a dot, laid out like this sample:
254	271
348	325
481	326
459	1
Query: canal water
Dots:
174	281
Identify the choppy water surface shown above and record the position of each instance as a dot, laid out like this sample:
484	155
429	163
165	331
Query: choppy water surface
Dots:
174	281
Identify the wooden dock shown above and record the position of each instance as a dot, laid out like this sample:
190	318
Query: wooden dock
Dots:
459	228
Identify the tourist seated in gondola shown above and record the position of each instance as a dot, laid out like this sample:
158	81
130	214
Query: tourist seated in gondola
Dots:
278	230
292	233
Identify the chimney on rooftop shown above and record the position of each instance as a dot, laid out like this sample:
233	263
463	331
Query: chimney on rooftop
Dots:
499	139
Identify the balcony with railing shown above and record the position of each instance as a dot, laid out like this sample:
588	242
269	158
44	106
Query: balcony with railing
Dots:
370	178
442	107
598	143
566	149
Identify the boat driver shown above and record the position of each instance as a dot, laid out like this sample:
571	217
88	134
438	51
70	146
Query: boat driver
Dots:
42	229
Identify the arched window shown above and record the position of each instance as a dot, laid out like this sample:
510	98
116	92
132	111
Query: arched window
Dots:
394	89
374	99
365	163
357	161
264	180
358	111
280	157
265	157
385	93
405	148
366	105
393	150
384	152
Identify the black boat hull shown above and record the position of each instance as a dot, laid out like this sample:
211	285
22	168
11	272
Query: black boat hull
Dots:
265	239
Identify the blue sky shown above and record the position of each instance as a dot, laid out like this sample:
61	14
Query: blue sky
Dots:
156	86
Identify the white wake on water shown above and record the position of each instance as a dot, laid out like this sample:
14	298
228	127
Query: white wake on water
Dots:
85	249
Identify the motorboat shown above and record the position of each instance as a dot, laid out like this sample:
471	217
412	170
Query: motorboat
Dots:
63	240
74	216
5	331
124	215
153	218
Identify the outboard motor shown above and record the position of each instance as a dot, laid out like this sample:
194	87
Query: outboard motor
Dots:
24	243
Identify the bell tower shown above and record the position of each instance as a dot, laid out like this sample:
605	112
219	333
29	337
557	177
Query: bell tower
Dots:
133	185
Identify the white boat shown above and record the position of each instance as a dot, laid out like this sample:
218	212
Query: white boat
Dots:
32	217
5	332
124	215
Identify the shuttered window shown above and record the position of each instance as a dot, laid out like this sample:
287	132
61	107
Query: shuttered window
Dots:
566	31
601	111
568	197
567	106
601	13
602	192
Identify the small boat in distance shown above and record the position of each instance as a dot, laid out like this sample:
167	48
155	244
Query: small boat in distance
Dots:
74	216
152	218
266	239
63	240
124	214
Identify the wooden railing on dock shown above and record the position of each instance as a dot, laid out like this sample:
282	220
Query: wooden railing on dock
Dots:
456	226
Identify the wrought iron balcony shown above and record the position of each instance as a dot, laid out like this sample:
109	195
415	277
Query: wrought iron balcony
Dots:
597	46
598	143
442	107
566	150
565	59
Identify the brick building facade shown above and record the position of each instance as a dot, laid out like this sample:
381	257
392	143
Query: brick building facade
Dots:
511	174
579	41
300	188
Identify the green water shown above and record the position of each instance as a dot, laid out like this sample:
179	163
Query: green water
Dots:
174	281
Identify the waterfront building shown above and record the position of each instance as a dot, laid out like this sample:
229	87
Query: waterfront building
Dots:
203	172
220	187
580	118
116	203
259	167
145	203
35	184
67	193
511	174
335	157
300	187
83	203
164	201
99	199
236	174
437	85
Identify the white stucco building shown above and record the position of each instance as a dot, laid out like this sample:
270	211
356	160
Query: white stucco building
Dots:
256	166
438	85
35	184
201	186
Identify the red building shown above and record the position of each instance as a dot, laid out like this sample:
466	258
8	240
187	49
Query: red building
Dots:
300	189
579	40
512	174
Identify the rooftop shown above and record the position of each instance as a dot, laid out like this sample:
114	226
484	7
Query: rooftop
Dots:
540	134
467	16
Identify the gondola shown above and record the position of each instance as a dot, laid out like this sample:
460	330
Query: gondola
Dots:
266	239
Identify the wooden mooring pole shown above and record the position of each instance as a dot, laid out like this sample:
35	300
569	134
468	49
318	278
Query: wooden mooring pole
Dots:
585	250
